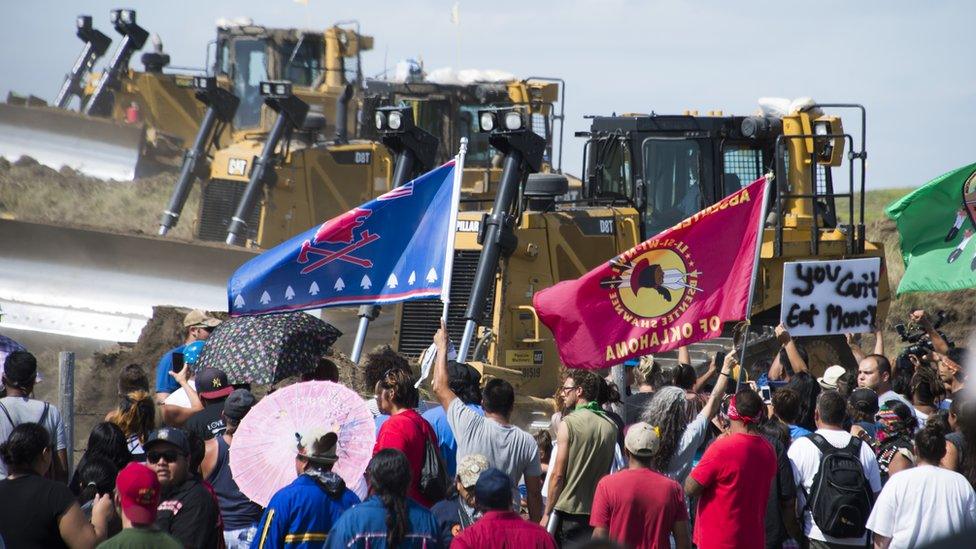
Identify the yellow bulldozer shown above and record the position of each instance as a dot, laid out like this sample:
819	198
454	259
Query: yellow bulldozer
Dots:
642	174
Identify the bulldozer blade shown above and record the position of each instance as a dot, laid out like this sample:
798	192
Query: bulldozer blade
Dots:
102	285
97	147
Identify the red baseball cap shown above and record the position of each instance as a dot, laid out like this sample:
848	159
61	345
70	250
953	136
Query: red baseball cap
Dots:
138	490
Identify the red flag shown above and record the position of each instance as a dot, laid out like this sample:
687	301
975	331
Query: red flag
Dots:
674	289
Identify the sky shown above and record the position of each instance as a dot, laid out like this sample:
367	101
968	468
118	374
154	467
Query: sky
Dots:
910	63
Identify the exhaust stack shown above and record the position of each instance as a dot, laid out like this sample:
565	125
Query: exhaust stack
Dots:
221	106
96	44
134	37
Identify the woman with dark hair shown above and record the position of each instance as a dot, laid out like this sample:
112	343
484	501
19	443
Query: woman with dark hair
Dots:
106	441
35	511
955	439
925	391
896	448
388	518
808	389
406	430
97	478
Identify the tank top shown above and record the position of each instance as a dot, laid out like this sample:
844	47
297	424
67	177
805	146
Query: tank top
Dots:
237	511
592	438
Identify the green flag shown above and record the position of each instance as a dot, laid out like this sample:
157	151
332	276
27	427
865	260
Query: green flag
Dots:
936	223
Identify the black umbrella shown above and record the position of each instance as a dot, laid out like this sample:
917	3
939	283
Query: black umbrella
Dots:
267	348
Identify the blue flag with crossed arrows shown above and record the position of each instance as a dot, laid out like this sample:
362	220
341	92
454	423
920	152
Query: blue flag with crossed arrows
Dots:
391	249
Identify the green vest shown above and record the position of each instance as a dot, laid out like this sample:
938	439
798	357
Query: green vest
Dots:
592	438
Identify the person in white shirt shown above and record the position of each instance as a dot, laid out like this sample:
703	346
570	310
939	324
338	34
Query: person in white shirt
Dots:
925	503
874	372
830	413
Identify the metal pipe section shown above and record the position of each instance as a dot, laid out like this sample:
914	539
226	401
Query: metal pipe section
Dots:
357	346
490	253
99	104
66	400
96	44
185	181
342	116
258	172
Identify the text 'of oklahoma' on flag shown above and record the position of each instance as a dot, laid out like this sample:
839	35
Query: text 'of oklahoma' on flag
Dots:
676	288
390	249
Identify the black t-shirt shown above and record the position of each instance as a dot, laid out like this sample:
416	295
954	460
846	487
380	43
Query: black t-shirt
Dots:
30	509
190	515
634	407
207	423
782	489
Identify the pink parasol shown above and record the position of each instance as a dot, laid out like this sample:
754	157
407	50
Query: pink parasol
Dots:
262	457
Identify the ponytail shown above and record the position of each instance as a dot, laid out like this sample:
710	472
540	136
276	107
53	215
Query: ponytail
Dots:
397	521
389	478
136	415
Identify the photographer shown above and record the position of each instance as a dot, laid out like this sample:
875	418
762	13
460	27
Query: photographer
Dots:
939	344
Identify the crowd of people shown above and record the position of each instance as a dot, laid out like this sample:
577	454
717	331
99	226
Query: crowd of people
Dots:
729	455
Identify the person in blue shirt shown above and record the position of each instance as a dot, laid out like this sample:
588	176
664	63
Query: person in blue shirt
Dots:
388	518
301	514
198	325
465	383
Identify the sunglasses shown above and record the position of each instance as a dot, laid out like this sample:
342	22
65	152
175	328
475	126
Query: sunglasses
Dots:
169	456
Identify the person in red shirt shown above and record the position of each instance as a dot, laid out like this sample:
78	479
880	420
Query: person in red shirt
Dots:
639	507
732	480
406	430
500	527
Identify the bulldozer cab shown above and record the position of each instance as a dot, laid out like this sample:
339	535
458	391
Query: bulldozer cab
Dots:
250	54
670	167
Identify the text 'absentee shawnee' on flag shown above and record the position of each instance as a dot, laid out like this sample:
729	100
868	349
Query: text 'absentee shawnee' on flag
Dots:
676	288
390	249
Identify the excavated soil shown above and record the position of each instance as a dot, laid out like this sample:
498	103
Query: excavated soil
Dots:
34	192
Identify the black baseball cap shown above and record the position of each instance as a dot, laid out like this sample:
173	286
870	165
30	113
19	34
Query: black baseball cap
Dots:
460	372
864	400
212	384
238	404
176	437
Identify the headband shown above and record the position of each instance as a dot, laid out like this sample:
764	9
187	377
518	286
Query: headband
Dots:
734	414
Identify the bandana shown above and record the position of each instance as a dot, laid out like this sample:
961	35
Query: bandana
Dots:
735	416
591	406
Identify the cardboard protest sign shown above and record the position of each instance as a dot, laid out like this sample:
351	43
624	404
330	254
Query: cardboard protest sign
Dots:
830	297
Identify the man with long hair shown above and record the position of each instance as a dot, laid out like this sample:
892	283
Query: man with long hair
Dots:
679	438
388	518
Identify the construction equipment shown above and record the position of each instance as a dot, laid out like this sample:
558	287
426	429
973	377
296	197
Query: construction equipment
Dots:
110	138
642	174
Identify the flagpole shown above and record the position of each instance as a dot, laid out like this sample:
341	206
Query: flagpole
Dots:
452	228
752	281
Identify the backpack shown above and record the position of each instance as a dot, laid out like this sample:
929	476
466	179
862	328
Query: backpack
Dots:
840	498
433	474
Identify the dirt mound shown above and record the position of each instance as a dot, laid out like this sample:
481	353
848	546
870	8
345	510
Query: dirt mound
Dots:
35	192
